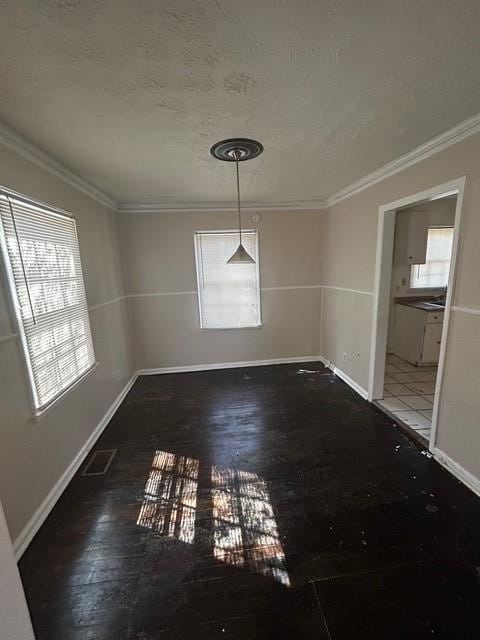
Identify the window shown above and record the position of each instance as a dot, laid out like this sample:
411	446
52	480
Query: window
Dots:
42	258
434	273
229	294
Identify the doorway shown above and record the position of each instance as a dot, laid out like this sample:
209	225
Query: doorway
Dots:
407	351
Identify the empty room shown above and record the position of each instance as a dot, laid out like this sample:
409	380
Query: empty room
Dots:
239	319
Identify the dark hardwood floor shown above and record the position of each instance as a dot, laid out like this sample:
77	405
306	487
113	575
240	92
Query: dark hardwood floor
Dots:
258	503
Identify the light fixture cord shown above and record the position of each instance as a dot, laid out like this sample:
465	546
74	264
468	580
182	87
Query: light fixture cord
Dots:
237	153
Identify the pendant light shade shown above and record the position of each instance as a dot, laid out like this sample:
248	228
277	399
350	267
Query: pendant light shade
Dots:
238	150
241	256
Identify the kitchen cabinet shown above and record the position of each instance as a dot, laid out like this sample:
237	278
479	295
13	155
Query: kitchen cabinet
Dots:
417	238
431	342
417	332
411	234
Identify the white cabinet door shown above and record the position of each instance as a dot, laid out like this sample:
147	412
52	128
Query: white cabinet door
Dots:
431	342
408	333
417	238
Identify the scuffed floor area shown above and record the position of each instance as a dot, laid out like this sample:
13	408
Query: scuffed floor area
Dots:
268	502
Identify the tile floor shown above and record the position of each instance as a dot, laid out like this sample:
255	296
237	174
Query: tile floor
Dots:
408	394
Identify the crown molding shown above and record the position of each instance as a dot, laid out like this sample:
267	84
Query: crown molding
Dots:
459	132
220	207
12	140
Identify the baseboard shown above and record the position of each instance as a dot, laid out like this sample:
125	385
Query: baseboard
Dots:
457	470
257	363
341	374
227	365
22	541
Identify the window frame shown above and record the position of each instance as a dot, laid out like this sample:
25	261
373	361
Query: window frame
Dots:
257	267
412	266
14	309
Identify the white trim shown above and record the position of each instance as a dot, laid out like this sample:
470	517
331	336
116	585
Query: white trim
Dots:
23	147
227	365
359	291
471	481
447	315
26	149
475	312
220	207
104	304
346	378
382	284
33	525
7	338
161	293
381	304
288	288
459	132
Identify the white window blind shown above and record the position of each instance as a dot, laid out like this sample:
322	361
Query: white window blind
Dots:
42	257
229	294
434	273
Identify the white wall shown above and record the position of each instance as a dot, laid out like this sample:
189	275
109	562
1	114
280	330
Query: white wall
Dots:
35	454
159	263
349	230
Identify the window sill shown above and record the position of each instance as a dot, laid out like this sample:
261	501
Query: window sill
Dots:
250	326
40	413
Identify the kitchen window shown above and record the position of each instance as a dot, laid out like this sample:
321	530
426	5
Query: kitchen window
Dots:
228	294
42	259
434	273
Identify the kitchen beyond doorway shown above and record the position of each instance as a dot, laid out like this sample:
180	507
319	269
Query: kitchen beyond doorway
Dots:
412	303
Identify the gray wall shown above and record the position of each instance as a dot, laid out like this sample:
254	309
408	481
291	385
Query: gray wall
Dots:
349	231
159	263
35	454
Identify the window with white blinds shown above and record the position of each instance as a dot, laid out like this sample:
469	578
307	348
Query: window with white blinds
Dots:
42	258
434	273
228	294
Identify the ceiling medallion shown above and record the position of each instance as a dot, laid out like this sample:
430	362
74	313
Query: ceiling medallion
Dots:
238	150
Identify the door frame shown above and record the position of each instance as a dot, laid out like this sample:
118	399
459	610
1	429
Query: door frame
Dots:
383	276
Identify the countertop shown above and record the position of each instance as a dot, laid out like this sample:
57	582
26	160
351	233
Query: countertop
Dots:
423	305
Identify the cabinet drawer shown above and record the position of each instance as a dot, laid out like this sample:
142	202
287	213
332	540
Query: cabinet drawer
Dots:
433	317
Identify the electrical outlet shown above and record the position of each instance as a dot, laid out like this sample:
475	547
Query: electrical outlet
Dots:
345	357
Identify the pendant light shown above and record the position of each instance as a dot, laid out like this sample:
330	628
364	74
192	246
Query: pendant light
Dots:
238	150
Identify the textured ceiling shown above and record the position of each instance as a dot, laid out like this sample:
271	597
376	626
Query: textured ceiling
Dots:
130	95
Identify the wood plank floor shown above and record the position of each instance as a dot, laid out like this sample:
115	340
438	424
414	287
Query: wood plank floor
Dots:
257	503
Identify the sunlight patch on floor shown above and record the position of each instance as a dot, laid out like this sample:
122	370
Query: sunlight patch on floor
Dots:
245	532
170	497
